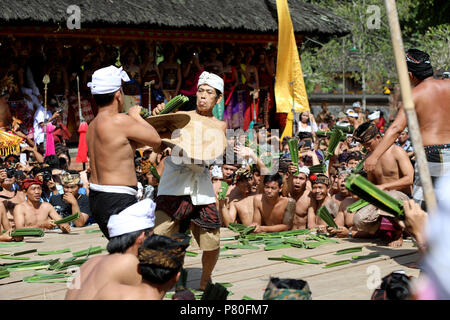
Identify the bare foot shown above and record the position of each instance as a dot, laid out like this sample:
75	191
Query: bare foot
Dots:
396	240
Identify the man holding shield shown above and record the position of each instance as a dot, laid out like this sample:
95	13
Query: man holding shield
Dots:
186	198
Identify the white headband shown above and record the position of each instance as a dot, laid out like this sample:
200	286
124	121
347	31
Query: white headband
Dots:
212	80
304	170
352	113
374	115
216	172
107	80
139	216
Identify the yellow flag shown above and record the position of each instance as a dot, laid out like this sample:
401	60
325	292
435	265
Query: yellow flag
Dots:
289	68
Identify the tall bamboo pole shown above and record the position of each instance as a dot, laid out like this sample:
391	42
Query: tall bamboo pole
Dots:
408	104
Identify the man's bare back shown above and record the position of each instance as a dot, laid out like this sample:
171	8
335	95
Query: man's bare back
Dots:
432	101
111	162
112	145
99	276
10	204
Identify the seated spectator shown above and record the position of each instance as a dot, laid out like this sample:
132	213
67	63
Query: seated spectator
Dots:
216	178
353	159
10	195
273	212
49	187
298	190
32	213
71	201
320	197
238	204
5	227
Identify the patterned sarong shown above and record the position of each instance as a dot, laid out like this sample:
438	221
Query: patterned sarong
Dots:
438	158
182	209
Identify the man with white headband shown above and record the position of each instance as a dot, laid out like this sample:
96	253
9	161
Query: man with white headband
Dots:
297	190
189	186
128	230
353	118
112	139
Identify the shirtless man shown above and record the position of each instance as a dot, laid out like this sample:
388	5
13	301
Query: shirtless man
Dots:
33	213
104	276
5	113
353	118
8	197
273	212
112	139
297	190
228	170
319	197
6	226
159	273
239	202
343	192
394	170
431	101
357	108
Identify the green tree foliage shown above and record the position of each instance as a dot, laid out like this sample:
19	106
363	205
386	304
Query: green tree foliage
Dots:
368	49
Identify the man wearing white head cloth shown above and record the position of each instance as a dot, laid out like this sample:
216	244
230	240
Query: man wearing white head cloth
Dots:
103	277
112	139
186	198
297	190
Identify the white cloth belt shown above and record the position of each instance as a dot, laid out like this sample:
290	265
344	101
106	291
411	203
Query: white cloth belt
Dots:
113	189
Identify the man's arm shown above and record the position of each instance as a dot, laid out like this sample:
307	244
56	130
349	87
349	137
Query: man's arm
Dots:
19	217
81	221
4	218
139	130
388	140
53	215
257	219
311	223
225	212
340	217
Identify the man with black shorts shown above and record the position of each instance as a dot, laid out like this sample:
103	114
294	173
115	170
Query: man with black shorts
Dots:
112	139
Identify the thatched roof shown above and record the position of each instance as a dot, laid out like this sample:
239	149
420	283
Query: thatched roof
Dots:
254	16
